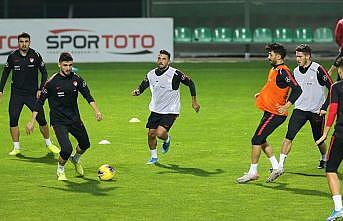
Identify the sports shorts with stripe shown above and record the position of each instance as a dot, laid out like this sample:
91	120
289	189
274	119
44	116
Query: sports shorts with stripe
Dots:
268	124
298	120
335	154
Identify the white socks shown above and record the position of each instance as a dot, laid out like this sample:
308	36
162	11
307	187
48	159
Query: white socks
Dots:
60	168
48	142
16	145
253	169
153	153
323	157
274	162
337	199
282	160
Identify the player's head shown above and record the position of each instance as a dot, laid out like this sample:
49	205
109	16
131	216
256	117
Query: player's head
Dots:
276	53
303	54
163	59
340	67
65	63
24	41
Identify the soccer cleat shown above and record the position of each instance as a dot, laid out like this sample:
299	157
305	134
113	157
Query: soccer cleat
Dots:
247	177
152	160
78	167
14	152
53	148
274	175
335	214
61	176
322	164
165	146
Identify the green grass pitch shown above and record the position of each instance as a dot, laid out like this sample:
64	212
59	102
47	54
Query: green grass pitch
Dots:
194	181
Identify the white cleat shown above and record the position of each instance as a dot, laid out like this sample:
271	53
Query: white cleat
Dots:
247	177
274	175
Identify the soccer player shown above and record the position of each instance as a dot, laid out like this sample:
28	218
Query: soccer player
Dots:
61	90
24	64
339	41
335	153
272	100
164	82
310	106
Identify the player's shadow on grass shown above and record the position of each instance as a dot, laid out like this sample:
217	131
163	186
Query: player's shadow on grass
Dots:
91	186
283	187
187	170
309	175
340	176
47	159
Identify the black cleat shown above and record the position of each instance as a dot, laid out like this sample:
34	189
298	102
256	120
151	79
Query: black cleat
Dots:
322	164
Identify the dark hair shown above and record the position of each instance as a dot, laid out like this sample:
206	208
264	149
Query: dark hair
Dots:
65	56
276	48
306	49
24	35
340	62
165	52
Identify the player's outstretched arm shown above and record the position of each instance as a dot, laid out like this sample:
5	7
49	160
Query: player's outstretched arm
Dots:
30	124
98	115
140	89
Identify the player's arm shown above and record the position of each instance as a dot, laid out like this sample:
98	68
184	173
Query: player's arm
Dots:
84	90
43	71
144	85
288	79
38	106
324	79
333	109
184	79
335	64
5	73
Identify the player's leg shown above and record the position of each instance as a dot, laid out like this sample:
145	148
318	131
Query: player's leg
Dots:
152	125
43	125
162	132
317	125
14	109
268	124
78	130
295	123
61	133
334	158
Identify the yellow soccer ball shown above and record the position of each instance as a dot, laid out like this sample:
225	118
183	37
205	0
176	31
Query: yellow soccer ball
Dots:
106	172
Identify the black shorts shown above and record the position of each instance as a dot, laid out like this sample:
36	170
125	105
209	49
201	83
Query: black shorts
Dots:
335	154
268	124
78	130
16	105
163	120
298	120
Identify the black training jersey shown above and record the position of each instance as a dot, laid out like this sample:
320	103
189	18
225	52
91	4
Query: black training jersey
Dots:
24	72
62	92
336	107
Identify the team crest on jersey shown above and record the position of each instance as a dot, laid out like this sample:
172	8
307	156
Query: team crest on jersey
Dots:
75	83
31	60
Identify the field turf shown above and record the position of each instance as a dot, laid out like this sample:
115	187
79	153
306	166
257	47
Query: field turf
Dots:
194	181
